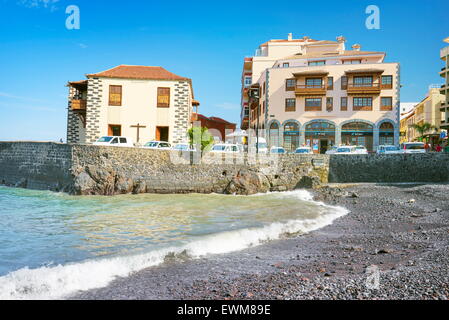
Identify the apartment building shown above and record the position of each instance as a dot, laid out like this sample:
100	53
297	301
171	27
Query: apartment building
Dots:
317	93
426	111
140	102
444	55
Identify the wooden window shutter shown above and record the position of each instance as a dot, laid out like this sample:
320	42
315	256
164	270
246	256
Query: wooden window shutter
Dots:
163	97
115	95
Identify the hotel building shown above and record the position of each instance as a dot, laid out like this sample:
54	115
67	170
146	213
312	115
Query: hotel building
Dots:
317	93
444	55
140	102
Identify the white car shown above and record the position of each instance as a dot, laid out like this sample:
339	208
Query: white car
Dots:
183	147
387	149
304	150
260	145
332	150
413	147
225	148
361	150
346	150
114	141
160	145
277	150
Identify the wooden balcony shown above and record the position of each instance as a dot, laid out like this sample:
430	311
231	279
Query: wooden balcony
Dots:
310	90
371	88
79	104
194	117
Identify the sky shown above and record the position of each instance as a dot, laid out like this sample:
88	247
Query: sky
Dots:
202	40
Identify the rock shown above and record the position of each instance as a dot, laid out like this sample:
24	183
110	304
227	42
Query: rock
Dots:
83	184
309	182
384	250
123	185
248	182
354	195
22	183
411	201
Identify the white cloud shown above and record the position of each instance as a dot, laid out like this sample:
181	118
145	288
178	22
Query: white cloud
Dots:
82	45
48	4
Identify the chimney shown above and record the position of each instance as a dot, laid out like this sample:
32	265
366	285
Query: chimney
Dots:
356	47
341	39
290	36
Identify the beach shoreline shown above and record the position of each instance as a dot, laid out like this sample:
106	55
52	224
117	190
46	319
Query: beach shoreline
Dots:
399	229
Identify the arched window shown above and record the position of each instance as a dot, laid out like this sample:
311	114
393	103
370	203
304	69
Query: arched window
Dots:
358	134
274	135
320	135
291	136
386	134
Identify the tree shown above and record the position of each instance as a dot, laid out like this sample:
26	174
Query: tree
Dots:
200	135
422	128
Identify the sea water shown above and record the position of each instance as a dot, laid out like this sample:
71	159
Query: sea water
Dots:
53	245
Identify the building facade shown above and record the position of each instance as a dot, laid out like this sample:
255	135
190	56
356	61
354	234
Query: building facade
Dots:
139	102
426	111
444	55
320	94
218	127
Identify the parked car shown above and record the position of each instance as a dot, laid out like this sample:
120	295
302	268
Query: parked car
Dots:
361	150
346	150
306	150
387	149
413	147
260	145
225	148
277	150
160	145
332	150
183	147
114	141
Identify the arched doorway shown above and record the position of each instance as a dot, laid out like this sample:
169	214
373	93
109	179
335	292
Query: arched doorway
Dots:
274	135
357	133
320	136
291	136
386	134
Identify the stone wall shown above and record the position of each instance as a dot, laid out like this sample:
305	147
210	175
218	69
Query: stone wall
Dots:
428	167
89	170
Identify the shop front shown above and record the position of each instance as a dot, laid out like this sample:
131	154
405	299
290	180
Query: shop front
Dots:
386	134
358	134
291	136
320	136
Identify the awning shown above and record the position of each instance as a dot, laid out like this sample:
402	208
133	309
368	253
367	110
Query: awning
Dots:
311	73
363	71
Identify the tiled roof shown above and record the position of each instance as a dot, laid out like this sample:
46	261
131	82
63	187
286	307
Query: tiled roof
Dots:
138	72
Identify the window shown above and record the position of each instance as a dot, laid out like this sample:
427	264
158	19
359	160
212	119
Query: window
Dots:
344	104
352	61
314	82
114	130
363	104
290	105
366	81
163	97
317	63
264	88
263	107
330	83
344	83
290	84
122	140
115	95
387	82
286	65
329	104
386	104
313	104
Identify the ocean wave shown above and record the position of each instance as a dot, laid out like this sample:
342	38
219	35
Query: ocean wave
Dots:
61	281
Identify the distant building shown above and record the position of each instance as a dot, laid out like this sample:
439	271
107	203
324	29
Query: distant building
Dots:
426	111
217	127
444	108
140	102
317	93
406	108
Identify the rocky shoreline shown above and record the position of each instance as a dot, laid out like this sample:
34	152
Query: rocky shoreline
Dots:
400	229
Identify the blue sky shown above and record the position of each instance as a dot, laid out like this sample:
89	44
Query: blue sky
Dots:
202	40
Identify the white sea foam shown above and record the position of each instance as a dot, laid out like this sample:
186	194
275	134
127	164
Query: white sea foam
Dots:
63	280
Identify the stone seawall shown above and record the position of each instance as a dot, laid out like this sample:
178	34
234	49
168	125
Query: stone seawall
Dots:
93	170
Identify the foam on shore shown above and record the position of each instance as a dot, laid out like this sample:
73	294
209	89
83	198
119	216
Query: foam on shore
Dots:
60	281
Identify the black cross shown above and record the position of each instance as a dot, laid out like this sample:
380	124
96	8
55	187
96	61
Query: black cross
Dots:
138	126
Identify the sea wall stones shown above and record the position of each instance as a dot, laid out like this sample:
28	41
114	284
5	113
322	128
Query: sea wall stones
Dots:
93	170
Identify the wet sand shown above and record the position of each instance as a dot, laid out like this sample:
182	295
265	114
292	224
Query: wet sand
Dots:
401	230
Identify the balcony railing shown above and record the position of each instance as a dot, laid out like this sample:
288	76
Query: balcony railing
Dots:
365	88
444	52
310	89
79	104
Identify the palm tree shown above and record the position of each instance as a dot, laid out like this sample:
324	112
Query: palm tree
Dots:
422	128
